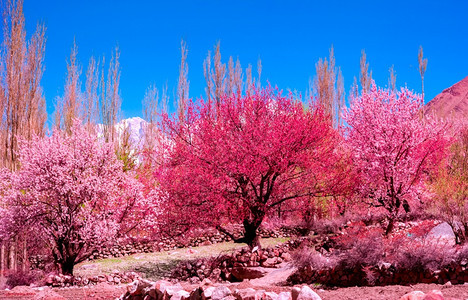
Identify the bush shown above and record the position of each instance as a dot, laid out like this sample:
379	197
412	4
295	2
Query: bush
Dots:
309	257
365	257
421	256
23	278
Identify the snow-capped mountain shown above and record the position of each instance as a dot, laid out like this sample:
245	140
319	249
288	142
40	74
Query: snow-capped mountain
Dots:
135	126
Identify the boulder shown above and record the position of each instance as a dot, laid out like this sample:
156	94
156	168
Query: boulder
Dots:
269	263
196	294
208	292
220	292
244	293
284	296
180	295
307	293
442	233
270	296
295	292
173	289
242	273
136	287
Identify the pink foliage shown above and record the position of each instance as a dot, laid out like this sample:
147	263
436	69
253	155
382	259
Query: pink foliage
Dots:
73	192
236	163
394	148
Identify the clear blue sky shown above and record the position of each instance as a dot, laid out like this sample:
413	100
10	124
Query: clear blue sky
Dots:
288	36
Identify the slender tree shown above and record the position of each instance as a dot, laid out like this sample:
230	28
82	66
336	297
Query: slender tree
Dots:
110	101
21	100
150	112
22	105
70	106
90	113
392	79
183	82
328	88
422	68
365	76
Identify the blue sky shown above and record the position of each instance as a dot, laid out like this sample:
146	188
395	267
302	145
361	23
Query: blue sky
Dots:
288	36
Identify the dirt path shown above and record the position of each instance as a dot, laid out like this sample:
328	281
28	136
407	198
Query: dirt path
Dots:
275	277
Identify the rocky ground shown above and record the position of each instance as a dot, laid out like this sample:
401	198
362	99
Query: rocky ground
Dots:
105	291
269	287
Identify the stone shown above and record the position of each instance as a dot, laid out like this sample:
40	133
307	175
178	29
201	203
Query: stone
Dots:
295	292
137	286
161	284
173	289
244	293
284	296
208	292
286	256
414	295
307	293
269	263
242	273
180	295
220	292
196	294
270	296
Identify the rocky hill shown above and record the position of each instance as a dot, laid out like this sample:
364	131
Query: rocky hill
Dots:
452	102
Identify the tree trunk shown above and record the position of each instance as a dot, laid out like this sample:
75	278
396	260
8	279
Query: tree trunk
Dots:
67	266
251	237
391	224
2	259
12	258
25	255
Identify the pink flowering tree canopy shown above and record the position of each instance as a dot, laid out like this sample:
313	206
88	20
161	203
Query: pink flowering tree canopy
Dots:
236	162
394	148
73	191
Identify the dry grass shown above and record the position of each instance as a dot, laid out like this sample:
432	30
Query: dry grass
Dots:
159	264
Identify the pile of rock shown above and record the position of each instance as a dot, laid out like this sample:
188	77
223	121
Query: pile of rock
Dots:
382	274
125	247
241	264
60	280
143	289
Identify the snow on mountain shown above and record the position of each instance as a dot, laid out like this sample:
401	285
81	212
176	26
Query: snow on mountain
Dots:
136	127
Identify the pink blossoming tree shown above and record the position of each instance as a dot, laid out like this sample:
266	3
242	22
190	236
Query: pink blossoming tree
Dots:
239	160
72	191
394	148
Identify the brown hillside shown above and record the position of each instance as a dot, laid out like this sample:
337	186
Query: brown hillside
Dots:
452	102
